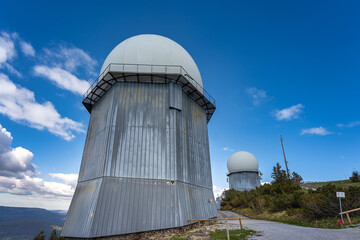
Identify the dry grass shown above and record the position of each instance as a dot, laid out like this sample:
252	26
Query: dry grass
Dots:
295	217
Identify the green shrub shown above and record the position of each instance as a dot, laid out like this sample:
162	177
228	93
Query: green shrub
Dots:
285	194
355	177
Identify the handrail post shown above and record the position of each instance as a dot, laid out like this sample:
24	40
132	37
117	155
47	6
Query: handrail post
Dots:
227	229
348	217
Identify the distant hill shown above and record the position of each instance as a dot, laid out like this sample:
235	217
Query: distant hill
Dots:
340	183
25	223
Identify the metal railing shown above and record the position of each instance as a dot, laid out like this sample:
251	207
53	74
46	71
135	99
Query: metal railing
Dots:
150	69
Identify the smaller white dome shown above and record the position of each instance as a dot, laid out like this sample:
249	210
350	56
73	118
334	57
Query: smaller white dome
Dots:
242	161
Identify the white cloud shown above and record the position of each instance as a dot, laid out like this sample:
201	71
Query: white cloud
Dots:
257	95
34	186
69	58
8	43
63	79
315	131
14	162
218	191
7	48
227	149
8	51
69	179
18	176
349	125
12	70
8	199
19	104
27	49
61	65
289	113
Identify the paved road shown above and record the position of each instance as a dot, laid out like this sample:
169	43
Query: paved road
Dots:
280	231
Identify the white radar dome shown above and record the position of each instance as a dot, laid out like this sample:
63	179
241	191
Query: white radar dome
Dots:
149	49
242	161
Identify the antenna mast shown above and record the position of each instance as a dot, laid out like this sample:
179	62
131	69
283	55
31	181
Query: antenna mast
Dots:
287	169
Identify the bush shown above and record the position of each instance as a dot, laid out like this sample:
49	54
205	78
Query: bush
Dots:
287	195
280	203
355	177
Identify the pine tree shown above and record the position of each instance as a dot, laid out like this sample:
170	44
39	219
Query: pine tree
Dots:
296	178
278	175
40	236
355	176
53	235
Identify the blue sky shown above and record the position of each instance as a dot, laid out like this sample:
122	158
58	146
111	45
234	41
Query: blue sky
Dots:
278	67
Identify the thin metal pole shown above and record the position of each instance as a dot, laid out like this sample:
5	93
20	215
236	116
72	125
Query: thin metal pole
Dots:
282	146
341	210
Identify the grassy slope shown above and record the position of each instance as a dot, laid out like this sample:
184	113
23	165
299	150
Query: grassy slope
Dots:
341	183
295	218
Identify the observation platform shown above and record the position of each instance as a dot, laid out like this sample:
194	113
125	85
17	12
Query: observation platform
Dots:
144	73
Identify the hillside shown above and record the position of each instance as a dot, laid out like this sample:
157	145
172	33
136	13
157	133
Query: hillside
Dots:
25	223
340	183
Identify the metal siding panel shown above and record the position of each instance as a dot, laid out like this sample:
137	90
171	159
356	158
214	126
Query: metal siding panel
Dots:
121	206
175	96
78	221
244	180
94	157
129	133
145	145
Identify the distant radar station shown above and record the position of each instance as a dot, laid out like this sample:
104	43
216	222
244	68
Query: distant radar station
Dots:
243	172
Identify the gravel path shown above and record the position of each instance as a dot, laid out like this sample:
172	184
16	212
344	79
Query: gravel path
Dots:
279	231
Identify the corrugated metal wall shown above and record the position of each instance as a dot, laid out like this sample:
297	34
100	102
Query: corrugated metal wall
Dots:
242	181
149	145
79	220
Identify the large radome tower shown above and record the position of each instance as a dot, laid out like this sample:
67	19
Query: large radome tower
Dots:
146	161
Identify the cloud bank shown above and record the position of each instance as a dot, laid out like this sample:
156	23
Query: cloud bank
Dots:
18	175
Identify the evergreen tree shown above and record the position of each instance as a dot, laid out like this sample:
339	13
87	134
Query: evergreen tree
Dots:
355	177
53	235
278	175
296	178
40	236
